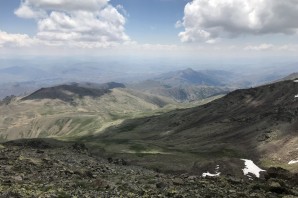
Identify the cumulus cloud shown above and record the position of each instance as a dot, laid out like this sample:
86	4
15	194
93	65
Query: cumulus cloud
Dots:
25	11
75	22
64	5
208	20
15	40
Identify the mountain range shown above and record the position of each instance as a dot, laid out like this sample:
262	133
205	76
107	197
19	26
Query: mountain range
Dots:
186	85
155	131
182	85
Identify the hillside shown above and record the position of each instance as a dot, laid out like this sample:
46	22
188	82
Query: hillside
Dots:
258	123
77	109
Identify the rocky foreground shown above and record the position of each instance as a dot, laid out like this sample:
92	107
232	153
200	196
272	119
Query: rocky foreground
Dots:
48	168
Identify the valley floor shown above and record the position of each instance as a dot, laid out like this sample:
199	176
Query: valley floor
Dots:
49	168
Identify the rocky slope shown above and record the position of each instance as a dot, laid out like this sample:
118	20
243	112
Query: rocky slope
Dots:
48	168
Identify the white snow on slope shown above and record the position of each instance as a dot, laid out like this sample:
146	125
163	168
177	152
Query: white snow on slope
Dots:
293	162
250	167
210	174
296	81
217	173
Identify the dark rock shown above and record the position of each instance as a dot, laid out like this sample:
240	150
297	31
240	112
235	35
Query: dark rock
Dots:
4	158
234	180
161	185
110	160
178	181
277	172
39	151
13	195
7	182
118	161
79	147
276	187
263	137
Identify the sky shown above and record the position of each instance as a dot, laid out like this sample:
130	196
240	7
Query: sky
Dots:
150	28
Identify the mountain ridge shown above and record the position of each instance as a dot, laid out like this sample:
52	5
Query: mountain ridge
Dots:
68	92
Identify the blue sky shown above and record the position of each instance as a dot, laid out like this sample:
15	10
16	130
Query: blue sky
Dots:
10	22
148	21
153	21
149	27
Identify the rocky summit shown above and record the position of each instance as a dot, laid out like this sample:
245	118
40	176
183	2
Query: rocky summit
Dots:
49	168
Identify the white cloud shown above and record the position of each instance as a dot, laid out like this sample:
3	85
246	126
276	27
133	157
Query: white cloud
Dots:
74	22
206	20
25	11
271	47
65	5
15	40
262	47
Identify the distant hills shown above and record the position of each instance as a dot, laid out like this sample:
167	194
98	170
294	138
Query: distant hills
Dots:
192	77
187	85
182	85
19	73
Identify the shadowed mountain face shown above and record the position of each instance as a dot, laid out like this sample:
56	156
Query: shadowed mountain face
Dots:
67	93
259	123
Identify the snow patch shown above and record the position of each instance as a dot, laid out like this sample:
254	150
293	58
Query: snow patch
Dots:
296	96
250	167
217	173
296	81
293	162
210	174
